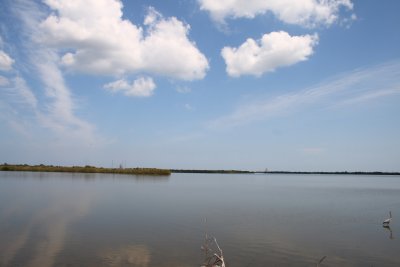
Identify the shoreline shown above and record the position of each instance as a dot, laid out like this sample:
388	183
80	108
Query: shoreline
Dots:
167	172
84	169
284	172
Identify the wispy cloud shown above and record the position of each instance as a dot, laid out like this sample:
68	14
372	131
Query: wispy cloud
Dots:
183	89
189	107
4	81
17	99
356	86
6	61
367	96
23	93
54	111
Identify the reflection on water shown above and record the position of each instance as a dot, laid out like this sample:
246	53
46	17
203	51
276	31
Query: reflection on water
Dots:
133	255
48	227
387	227
50	219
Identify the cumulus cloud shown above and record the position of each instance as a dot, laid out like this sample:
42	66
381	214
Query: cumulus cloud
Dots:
100	41
273	50
141	87
5	61
307	13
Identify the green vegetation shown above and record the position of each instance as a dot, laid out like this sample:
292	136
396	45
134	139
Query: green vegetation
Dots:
85	169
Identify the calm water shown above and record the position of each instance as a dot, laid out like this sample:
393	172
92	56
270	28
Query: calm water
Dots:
49	219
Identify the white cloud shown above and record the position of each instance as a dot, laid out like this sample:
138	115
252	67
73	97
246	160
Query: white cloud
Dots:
273	50
6	61
367	96
141	87
355	87
17	92
56	111
309	13
152	16
25	93
103	42
18	106
60	110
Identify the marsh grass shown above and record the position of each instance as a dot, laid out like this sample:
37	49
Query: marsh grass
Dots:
83	169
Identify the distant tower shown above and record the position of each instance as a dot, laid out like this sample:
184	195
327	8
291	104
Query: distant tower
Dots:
266	170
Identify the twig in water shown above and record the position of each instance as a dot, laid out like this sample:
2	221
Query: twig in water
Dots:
212	258
321	260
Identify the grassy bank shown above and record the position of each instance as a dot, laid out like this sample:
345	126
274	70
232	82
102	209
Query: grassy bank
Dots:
84	169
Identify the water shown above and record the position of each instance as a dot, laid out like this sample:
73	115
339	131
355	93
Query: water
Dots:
54	219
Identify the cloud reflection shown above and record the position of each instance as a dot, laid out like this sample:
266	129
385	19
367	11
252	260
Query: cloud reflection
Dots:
44	234
387	228
11	250
132	255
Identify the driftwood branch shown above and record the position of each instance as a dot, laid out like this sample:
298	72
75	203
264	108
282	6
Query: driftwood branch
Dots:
321	260
213	255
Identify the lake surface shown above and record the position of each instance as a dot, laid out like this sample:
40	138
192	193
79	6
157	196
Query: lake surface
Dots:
60	219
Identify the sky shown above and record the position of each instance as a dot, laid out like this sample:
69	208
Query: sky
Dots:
298	85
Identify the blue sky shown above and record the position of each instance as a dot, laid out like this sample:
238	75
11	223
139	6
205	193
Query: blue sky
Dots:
200	84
